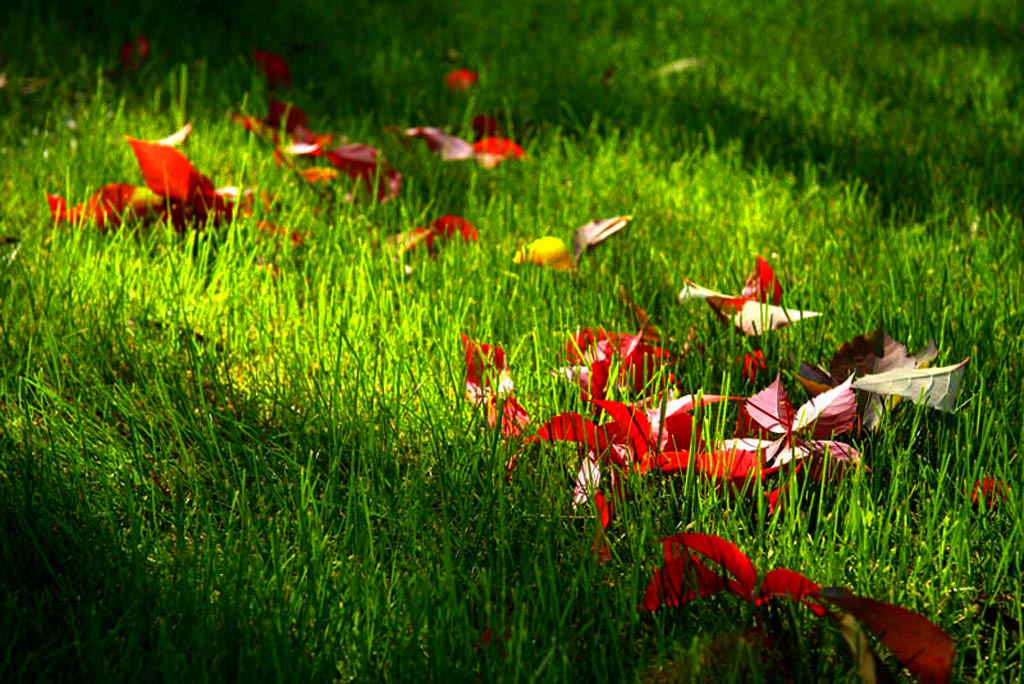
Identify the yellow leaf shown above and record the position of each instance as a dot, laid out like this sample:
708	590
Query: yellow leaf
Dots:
546	251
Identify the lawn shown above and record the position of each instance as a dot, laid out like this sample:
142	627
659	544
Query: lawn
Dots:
270	435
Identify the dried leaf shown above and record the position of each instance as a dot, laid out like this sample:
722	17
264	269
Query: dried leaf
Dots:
595	232
935	387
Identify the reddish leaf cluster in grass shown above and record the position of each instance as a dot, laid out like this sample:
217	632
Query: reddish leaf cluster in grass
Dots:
174	191
685	575
489	151
599	357
489	384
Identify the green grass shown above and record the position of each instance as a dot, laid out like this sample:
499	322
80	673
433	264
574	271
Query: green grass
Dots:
212	471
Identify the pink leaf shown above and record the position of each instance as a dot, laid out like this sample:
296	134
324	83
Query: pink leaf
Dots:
449	147
830	413
770	409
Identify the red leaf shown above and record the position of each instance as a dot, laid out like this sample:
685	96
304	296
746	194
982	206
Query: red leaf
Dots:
572	427
922	647
762	285
134	54
990	491
169	173
753	363
107	206
680	580
449	225
360	161
461	79
786	583
274	68
724	553
632	426
486	126
293	117
492	151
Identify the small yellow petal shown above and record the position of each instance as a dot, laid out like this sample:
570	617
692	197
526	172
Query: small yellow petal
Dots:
546	251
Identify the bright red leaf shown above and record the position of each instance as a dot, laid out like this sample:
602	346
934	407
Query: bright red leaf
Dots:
169	173
786	583
461	79
492	151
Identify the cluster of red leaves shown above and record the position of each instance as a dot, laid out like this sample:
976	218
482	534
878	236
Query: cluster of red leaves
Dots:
753	363
595	354
489	384
918	644
489	151
174	191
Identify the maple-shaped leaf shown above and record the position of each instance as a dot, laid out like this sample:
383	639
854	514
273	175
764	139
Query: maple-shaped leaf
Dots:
768	422
168	172
492	151
274	69
757	309
448	147
918	644
934	387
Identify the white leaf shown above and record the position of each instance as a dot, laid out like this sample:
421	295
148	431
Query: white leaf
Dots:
936	387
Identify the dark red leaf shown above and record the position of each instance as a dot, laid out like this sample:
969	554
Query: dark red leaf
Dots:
133	54
274	68
920	646
361	161
486	126
293	118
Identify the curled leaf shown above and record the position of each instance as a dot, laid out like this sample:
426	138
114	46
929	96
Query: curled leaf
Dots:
595	232
935	387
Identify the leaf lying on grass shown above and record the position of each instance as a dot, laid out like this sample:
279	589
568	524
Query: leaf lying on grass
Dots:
917	643
882	367
552	251
754	311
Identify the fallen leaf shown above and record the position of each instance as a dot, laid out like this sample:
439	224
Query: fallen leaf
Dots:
920	646
461	79
935	387
595	232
